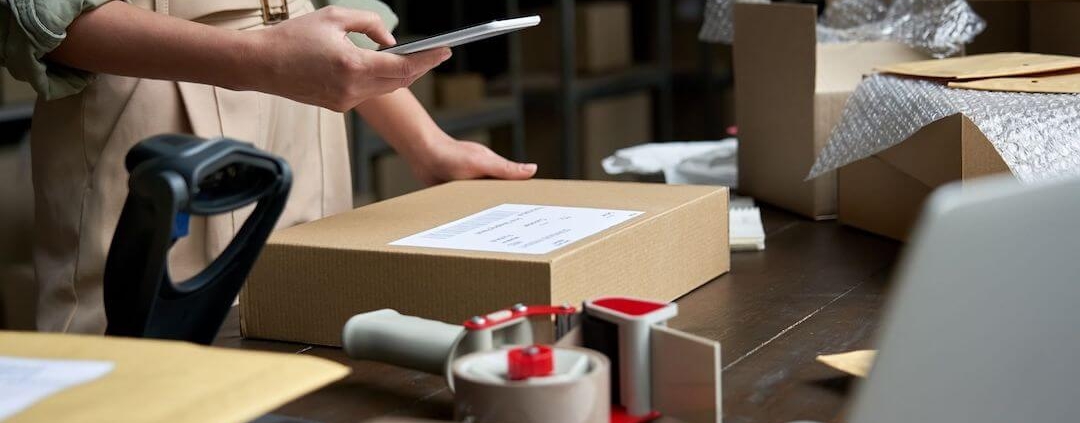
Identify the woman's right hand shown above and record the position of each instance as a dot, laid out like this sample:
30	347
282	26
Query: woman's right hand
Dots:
309	59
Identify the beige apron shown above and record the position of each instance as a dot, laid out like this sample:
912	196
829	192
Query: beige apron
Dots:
79	144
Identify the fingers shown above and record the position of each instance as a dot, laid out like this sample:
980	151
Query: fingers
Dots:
387	65
364	22
495	166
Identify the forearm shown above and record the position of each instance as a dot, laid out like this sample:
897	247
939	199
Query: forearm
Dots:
121	39
402	121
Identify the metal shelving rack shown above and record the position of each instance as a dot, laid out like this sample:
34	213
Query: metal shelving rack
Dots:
506	110
574	90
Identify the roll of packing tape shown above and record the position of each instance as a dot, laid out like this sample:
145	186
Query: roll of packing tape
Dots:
578	391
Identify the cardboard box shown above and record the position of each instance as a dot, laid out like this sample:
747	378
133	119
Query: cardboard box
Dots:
884	193
611	123
602	39
1030	26
311	278
394	177
789	92
460	90
424	90
168	381
605	125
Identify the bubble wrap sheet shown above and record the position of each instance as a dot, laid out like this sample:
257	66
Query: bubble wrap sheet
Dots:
938	27
1037	135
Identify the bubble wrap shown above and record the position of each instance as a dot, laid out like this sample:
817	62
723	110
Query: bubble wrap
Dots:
938	27
1037	135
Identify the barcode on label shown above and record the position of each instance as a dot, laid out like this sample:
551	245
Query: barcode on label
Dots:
468	225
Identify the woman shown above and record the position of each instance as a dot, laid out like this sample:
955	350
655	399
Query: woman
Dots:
273	73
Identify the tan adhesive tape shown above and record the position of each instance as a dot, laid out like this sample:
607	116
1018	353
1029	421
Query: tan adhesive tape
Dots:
578	392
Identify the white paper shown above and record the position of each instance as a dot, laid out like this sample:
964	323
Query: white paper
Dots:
519	228
25	381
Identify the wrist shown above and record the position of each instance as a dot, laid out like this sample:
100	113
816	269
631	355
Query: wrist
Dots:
250	63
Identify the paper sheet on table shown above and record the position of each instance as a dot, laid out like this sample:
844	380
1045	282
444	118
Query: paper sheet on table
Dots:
25	381
857	363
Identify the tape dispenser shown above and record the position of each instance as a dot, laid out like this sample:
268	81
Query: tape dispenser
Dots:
617	361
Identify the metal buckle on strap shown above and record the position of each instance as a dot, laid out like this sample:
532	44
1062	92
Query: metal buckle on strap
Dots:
273	14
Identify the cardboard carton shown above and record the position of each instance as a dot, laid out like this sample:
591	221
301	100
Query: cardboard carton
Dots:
424	90
167	381
604	125
311	278
884	193
789	92
1031	26
608	124
460	90
603	39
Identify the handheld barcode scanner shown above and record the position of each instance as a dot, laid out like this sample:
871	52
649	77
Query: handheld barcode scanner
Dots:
171	178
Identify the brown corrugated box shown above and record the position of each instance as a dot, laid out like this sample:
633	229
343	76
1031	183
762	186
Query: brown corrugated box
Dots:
611	123
605	125
1032	26
789	92
603	38
460	90
311	278
884	193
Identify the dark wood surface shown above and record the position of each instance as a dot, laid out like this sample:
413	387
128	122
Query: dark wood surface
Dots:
817	288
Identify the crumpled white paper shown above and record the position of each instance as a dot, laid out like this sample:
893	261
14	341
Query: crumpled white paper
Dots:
695	162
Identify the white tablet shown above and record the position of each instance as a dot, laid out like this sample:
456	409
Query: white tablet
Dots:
465	35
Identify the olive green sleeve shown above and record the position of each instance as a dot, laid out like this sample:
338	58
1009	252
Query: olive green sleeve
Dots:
30	29
380	8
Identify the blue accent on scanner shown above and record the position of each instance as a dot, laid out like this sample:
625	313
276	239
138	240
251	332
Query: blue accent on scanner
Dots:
180	225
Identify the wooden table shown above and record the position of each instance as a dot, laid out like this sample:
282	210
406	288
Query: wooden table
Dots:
818	288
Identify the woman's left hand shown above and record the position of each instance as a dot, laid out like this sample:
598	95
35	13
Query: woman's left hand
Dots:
448	159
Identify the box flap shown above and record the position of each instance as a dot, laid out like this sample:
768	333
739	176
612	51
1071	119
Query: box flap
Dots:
1065	83
168	381
985	66
841	66
932	155
685	376
980	157
774	54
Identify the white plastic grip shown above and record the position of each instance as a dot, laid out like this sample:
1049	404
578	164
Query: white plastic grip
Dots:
406	341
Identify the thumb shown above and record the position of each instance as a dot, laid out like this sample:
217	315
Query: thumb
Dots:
364	22
497	167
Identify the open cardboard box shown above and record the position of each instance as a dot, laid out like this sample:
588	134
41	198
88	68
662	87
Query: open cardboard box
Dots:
313	277
884	193
789	92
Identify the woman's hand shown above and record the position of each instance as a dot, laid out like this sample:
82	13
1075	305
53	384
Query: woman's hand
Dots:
309	59
449	159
